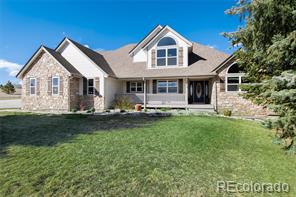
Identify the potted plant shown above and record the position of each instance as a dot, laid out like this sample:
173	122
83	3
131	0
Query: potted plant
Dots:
138	107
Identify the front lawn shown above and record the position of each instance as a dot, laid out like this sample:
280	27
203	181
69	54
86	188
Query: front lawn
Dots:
79	155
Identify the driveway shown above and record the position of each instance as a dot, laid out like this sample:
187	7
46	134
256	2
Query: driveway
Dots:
8	104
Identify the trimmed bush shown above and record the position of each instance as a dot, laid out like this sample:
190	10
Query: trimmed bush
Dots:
123	103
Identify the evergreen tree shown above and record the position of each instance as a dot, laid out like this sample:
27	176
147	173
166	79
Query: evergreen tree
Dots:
268	55
8	88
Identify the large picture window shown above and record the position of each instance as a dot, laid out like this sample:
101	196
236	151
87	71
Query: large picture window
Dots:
234	77
55	85
136	87
166	52
32	86
167	86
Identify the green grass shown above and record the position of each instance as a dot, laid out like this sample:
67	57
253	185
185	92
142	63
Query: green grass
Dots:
66	155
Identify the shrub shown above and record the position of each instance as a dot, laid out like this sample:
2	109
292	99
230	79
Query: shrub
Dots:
81	107
164	109
227	112
278	94
8	88
91	110
123	103
73	110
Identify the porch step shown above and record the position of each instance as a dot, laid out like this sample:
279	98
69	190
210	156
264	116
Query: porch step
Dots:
201	108
191	107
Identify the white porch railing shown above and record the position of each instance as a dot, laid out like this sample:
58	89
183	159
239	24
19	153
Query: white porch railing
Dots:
157	99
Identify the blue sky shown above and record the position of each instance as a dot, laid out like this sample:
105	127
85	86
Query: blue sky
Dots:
25	25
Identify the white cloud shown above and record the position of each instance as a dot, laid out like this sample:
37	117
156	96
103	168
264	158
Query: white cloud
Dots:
10	67
212	46
86	45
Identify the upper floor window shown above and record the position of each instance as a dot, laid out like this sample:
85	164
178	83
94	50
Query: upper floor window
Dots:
234	77
32	86
166	41
167	52
55	85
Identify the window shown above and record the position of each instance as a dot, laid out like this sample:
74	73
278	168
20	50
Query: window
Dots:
32	86
166	52
233	83
167	86
55	85
161	57
166	41
136	87
234	77
90	86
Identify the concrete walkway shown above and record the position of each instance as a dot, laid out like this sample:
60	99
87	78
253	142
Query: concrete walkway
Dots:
10	104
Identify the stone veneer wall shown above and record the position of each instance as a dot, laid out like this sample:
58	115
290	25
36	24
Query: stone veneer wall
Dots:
233	101
88	101
96	102
237	104
43	68
74	93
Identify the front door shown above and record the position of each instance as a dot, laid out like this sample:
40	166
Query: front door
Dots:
198	92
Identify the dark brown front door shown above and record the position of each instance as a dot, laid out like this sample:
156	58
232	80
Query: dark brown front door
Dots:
198	92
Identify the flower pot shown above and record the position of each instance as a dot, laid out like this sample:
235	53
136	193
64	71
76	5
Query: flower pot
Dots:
138	107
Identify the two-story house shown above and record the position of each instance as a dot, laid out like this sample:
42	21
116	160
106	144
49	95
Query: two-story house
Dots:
163	70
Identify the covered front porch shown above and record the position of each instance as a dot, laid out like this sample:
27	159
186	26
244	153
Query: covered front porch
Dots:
189	93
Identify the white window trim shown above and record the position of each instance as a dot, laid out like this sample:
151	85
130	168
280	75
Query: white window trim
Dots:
33	86
142	85
91	86
166	55
239	75
167	87
58	86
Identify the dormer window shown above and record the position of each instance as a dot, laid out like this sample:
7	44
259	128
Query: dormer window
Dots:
167	52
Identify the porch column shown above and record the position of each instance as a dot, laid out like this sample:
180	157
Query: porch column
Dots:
145	92
186	92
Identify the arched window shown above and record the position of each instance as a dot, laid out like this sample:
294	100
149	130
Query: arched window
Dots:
234	77
166	41
167	52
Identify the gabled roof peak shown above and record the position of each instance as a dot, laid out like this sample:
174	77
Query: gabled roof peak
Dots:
153	34
57	56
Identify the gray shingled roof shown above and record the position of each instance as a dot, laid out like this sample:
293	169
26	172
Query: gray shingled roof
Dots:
63	61
144	41
202	61
96	57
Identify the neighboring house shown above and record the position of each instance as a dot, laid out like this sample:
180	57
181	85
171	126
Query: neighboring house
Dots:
162	70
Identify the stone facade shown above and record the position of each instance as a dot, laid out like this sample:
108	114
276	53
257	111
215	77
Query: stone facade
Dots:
42	69
74	93
233	101
96	102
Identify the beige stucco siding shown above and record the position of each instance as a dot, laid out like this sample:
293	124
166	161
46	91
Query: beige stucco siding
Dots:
112	87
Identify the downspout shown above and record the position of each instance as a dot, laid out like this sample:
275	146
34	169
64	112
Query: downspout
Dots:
69	91
216	99
145	92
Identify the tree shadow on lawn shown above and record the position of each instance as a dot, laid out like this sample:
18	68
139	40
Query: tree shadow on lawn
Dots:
48	130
